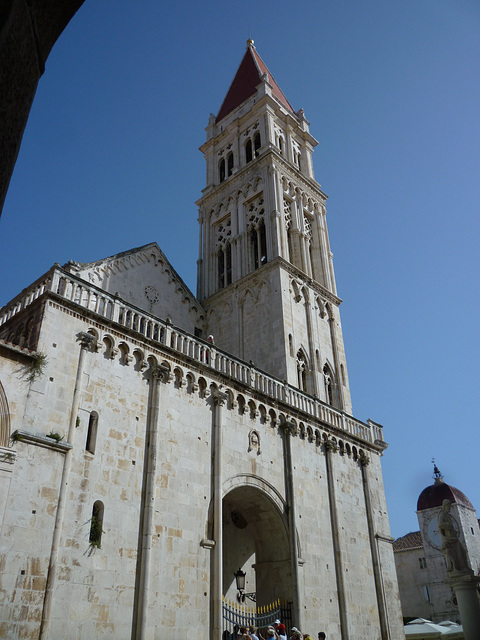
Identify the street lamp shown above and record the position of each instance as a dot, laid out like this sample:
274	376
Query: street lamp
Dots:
240	580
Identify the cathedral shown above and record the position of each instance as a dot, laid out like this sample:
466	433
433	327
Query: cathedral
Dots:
172	463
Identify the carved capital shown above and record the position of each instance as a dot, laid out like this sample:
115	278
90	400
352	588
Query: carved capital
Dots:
363	459
330	445
219	397
161	373
87	340
288	427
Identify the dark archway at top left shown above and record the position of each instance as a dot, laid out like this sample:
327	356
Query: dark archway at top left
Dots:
28	31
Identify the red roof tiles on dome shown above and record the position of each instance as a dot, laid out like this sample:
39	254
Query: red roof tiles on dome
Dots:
435	494
245	82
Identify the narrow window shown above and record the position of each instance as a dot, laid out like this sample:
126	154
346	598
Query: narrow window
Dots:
230	164
290	344
248	151
221	268
257	144
426	593
280	145
262	242
221	170
92	432
96	524
422	563
228	255
254	248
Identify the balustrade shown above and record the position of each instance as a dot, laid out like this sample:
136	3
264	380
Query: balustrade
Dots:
105	305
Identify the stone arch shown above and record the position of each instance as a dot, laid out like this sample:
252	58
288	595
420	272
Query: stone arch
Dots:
178	375
256	538
125	356
109	347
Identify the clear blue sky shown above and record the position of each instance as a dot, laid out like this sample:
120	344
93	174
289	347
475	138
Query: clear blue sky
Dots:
109	162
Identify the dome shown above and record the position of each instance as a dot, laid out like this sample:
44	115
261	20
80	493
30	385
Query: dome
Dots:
435	494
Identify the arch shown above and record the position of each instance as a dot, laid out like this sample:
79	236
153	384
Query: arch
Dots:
4	419
256	538
125	356
248	151
178	373
257	143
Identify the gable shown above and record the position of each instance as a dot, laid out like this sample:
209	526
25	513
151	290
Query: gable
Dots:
143	277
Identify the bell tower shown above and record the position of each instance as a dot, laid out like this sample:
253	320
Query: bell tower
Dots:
265	270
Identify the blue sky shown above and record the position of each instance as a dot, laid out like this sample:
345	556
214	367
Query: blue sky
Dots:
109	161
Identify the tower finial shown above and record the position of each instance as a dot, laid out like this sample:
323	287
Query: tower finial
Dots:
251	43
436	473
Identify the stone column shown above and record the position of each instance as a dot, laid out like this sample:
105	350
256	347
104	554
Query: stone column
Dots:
139	631
287	428
330	447
219	399
377	574
87	341
465	584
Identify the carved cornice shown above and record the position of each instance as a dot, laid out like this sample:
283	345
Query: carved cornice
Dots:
247	280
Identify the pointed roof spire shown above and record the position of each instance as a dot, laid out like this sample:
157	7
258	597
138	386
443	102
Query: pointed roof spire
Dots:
249	75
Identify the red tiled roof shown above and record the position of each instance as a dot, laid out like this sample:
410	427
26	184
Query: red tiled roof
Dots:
245	82
408	542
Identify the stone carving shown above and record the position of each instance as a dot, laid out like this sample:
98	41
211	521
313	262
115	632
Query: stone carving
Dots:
453	549
254	441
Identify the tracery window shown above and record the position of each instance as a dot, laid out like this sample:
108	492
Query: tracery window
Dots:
257	143
223	233
257	236
221	170
296	153
230	164
287	212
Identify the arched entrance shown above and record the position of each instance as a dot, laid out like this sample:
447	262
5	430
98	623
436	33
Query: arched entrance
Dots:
255	538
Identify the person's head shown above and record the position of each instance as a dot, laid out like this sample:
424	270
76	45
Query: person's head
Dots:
270	633
281	629
252	629
321	635
243	629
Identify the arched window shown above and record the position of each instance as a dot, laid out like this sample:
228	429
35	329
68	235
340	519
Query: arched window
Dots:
92	432
328	378
221	170
96	524
230	164
248	151
302	371
257	144
290	344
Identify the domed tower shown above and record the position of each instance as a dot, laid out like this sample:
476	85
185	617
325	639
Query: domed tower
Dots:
438	592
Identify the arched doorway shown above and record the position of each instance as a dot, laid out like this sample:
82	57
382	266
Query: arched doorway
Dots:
256	539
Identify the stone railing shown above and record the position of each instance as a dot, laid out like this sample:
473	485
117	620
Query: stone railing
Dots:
113	308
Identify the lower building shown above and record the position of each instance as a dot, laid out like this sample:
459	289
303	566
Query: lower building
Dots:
425	590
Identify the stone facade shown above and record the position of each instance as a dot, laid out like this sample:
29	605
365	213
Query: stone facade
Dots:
148	463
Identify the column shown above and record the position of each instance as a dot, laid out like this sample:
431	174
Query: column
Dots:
87	341
377	575
142	587
330	447
287	428
219	399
